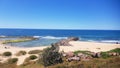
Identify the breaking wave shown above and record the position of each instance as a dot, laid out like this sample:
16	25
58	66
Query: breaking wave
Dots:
51	37
110	41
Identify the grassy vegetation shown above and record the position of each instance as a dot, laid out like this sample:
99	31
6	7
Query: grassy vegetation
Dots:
51	56
7	54
32	57
28	59
7	65
84	52
106	54
21	53
12	60
31	65
109	62
35	52
11	63
103	54
113	62
117	50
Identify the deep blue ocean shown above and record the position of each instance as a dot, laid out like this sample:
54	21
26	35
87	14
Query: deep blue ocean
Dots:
48	36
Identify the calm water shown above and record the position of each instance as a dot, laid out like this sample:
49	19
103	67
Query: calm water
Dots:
50	36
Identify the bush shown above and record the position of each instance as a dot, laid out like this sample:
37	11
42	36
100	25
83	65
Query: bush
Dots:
117	50
12	60
51	56
34	52
104	55
32	57
21	53
7	54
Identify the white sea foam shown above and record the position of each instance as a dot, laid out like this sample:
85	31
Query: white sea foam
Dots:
105	41
2	36
36	36
110	41
52	37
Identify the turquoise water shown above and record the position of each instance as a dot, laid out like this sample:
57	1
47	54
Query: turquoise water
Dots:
47	36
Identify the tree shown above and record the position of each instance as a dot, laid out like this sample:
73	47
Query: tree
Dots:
51	56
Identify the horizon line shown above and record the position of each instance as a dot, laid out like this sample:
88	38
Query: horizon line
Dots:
57	29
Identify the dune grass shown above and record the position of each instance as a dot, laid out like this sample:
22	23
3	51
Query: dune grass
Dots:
115	50
35	52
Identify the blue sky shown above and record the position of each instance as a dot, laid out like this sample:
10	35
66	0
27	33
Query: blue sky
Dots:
60	14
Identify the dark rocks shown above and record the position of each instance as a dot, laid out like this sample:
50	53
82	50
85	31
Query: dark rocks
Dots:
69	54
80	54
96	55
73	39
65	42
75	58
113	54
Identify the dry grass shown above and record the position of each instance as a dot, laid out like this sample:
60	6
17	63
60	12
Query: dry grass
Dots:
112	62
7	65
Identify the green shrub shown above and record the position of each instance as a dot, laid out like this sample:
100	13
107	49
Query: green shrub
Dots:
12	60
7	54
51	56
32	57
104	55
34	51
21	53
115	50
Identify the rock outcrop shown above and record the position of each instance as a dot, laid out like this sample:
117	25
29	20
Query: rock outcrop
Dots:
65	42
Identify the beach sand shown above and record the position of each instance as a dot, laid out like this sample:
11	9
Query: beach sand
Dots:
76	45
89	46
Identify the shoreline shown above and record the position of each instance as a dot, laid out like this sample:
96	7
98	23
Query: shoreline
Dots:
89	46
76	45
83	45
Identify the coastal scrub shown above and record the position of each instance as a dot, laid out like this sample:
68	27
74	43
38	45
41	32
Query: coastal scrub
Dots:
51	56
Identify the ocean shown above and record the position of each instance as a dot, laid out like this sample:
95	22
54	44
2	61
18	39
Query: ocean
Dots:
48	36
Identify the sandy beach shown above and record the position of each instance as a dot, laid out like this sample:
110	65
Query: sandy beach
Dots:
76	45
89	46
